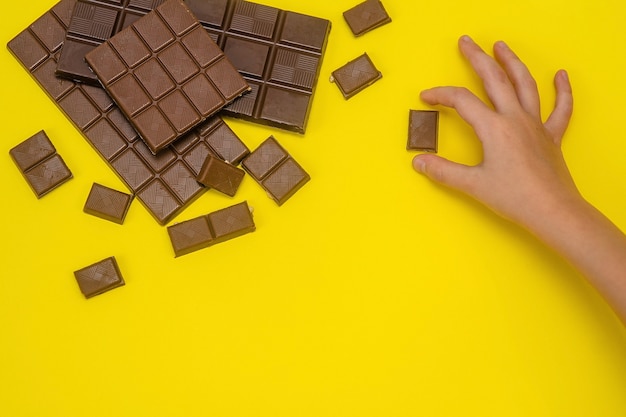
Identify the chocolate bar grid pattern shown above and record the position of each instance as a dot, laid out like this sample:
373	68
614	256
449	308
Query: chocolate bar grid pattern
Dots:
164	184
278	52
92	22
166	74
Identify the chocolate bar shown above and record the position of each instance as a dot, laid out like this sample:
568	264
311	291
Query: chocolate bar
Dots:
92	22
164	184
423	127
366	16
99	277
220	176
40	164
166	74
107	203
355	75
216	227
278	52
275	170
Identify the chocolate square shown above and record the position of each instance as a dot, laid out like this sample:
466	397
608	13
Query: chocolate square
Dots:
355	75
220	175
366	16
100	277
107	203
423	127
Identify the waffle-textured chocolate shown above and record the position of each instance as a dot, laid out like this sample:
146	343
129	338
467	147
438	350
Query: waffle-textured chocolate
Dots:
99	277
166	74
107	203
355	75
164	184
366	16
278	52
40	164
93	22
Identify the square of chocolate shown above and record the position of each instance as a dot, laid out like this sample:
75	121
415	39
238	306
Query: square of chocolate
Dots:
99	277
355	75
366	16
275	170
166	74
220	175
107	203
40	164
423	128
218	226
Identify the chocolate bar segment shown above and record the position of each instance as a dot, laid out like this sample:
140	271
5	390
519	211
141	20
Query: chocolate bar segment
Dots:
93	22
40	164
165	184
220	176
355	76
99	277
166	74
216	227
423	127
107	203
278	52
275	170
366	16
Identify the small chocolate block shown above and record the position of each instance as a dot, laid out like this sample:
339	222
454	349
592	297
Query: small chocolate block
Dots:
99	277
219	226
366	16
107	203
423	127
220	175
166	74
275	170
355	75
39	163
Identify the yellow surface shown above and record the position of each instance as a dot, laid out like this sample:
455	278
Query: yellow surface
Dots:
372	292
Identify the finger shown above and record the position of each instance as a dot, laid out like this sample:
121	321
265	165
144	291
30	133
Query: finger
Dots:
524	84
495	80
559	118
445	172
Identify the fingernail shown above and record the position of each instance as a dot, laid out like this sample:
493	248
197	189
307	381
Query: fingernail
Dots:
466	38
502	44
419	164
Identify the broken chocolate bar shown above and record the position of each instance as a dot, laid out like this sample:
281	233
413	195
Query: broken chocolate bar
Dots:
423	127
366	16
107	203
355	76
99	277
220	176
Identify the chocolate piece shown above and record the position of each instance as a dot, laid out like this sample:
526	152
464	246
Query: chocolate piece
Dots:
166	74
99	277
107	203
275	170
366	16
93	22
220	175
355	75
216	227
39	163
423	126
278	52
164	184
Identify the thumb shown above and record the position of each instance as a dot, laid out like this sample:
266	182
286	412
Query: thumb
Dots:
443	171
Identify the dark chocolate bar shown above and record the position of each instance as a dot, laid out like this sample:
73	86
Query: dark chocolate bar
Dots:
93	22
40	164
278	52
423	127
275	170
99	277
164	184
355	75
366	16
220	175
166	74
107	203
219	226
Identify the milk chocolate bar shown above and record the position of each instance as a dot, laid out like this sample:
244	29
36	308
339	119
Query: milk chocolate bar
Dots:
278	52
99	277
40	164
220	175
166	74
423	127
107	203
366	16
355	75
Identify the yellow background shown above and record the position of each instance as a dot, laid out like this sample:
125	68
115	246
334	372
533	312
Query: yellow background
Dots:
372	292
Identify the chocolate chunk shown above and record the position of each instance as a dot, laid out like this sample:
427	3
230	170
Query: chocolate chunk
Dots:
166	74
219	226
220	175
366	16
99	277
423	126
107	203
93	22
278	52
275	170
165	184
355	76
40	164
